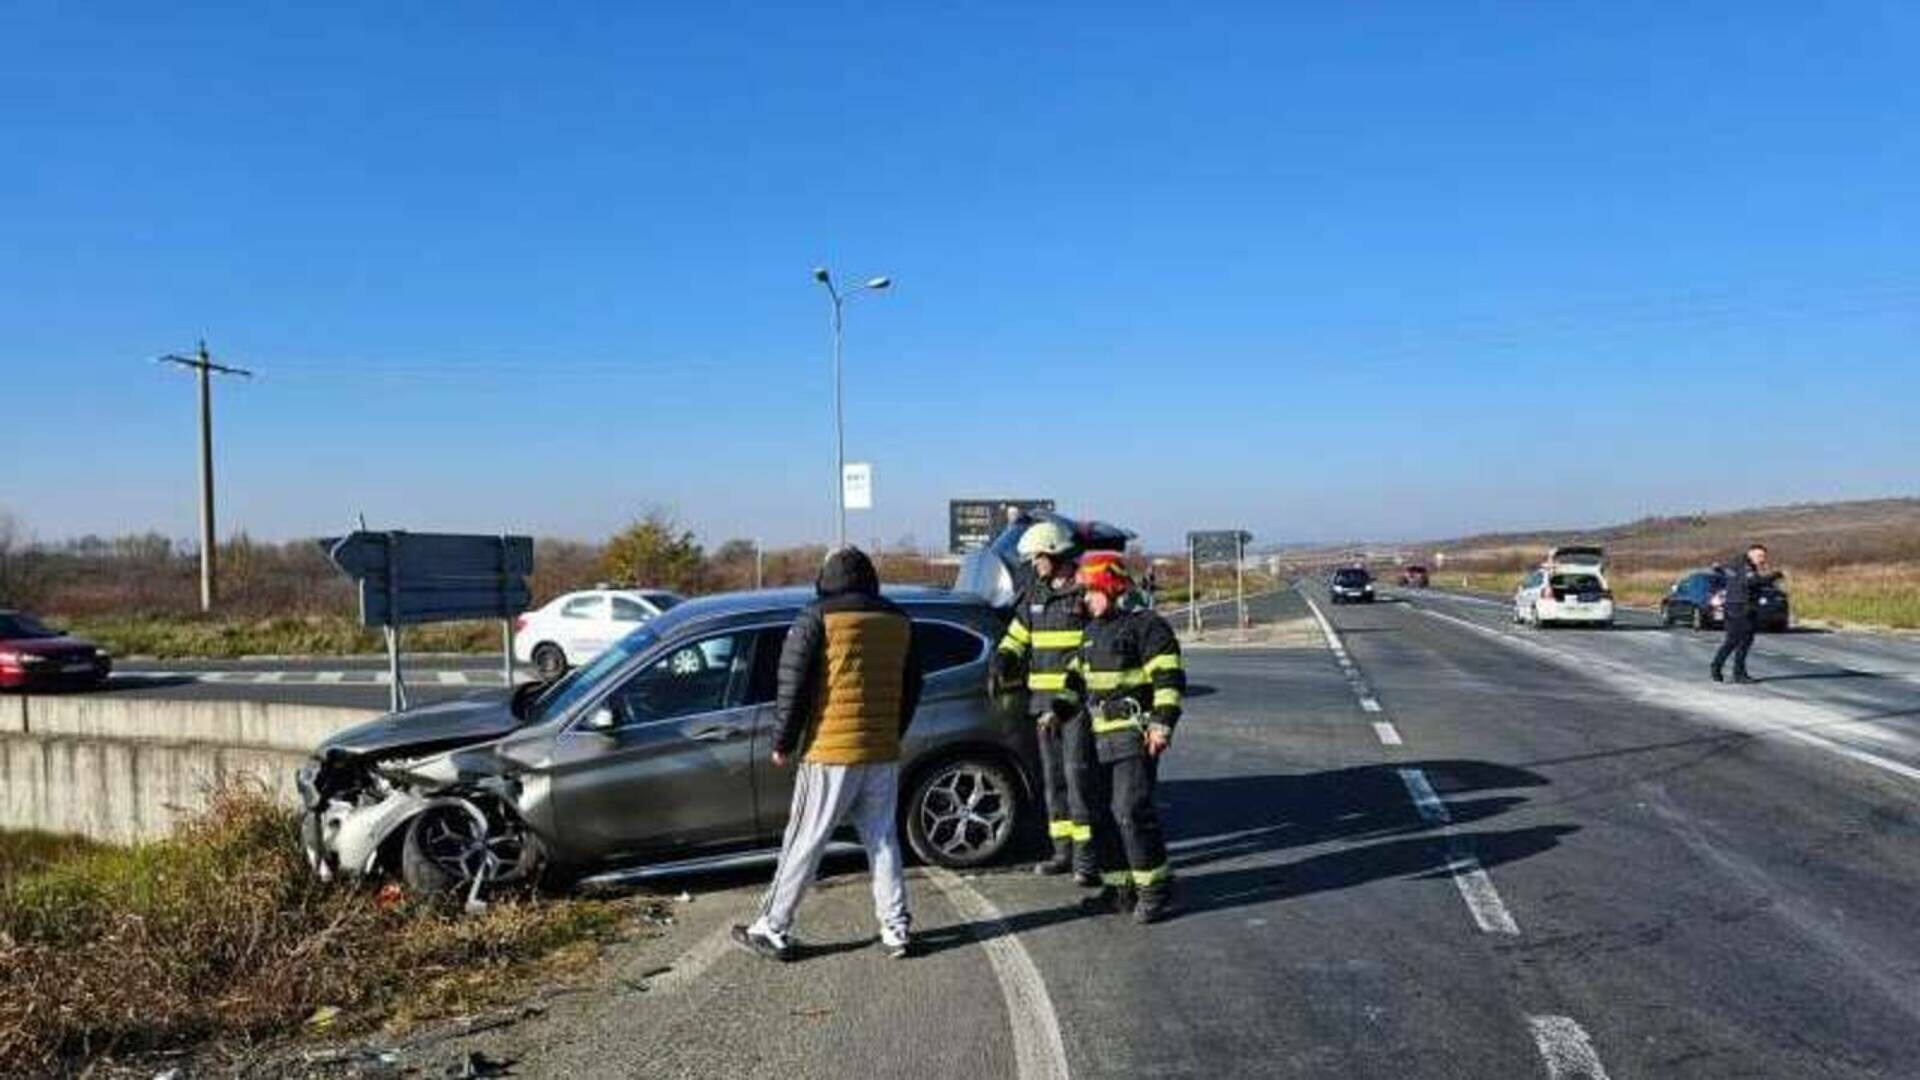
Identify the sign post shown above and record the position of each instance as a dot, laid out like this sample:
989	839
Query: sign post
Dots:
407	578
1216	546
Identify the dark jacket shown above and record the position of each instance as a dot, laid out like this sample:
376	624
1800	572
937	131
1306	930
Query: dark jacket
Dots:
849	671
1133	657
1042	636
1745	582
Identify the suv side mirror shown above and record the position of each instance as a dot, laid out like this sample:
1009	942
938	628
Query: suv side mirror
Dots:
600	719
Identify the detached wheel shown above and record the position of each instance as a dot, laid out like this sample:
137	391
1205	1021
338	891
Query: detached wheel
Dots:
548	661
963	813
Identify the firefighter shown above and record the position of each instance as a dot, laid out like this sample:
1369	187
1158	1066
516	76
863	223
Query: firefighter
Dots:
1032	659
1128	679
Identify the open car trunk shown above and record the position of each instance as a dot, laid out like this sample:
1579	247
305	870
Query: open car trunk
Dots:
996	573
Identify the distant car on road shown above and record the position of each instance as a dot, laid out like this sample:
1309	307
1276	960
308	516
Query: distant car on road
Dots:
34	655
1699	600
1351	585
574	628
1575	594
1413	577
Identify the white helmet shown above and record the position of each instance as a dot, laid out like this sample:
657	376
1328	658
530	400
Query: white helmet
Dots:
1046	538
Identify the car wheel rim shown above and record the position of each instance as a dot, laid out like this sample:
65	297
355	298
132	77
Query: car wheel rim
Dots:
454	842
965	811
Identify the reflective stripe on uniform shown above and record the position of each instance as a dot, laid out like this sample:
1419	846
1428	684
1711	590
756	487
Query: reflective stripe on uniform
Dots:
1163	662
1103	726
1165	695
1047	680
1118	879
1057	639
1118	680
1082	834
1017	633
1060	830
1154	876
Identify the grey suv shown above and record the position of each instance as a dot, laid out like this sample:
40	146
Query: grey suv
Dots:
652	759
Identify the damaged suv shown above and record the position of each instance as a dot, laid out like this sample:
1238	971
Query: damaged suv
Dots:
653	759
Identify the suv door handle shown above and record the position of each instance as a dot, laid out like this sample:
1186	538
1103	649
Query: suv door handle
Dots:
713	732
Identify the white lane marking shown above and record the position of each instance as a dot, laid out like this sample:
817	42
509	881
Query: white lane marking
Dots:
1369	704
1565	1048
1039	1053
453	678
1389	735
1425	799
1736	713
329	676
693	963
1483	900
269	676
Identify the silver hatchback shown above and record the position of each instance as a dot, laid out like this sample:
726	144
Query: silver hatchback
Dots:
653	759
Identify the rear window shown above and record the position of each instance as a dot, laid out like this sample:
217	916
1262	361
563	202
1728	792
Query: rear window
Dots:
21	627
1351	577
1577	582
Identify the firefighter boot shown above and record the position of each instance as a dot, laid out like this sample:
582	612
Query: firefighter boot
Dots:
1086	873
1156	902
1110	900
1060	863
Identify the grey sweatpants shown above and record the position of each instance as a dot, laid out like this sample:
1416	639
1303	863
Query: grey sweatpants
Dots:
824	797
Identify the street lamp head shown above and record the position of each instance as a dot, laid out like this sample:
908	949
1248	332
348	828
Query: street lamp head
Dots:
879	282
820	275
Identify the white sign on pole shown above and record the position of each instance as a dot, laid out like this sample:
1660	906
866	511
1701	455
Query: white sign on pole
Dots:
856	486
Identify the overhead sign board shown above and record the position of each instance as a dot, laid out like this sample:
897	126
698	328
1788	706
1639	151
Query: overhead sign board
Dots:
1218	545
856	485
973	523
410	578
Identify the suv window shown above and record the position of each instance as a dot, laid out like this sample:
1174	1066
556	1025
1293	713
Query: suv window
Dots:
1351	577
583	607
695	678
625	610
943	647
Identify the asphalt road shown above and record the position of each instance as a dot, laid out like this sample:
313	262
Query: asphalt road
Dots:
1439	846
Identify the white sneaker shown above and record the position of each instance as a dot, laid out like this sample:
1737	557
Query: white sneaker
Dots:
897	943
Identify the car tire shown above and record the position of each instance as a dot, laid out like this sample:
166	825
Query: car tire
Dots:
963	812
425	854
549	662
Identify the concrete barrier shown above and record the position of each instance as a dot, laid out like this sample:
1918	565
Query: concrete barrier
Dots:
127	769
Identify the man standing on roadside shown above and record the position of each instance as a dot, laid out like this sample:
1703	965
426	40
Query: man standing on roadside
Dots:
849	683
1745	579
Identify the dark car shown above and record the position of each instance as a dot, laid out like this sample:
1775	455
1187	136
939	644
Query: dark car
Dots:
1699	600
653	758
1413	577
1351	585
36	656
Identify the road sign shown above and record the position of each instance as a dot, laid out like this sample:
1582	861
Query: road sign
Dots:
856	485
1218	545
973	523
410	578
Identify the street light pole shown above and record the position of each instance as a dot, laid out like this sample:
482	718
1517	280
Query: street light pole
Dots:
839	300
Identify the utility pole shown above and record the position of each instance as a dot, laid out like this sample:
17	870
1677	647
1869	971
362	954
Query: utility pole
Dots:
202	364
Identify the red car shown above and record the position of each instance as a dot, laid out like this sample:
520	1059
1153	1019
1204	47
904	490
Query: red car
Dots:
34	656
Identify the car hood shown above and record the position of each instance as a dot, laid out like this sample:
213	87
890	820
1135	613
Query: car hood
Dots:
50	646
427	730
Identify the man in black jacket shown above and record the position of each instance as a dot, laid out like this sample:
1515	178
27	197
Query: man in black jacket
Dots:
849	683
1745	579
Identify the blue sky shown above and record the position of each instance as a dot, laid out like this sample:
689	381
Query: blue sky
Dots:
1323	271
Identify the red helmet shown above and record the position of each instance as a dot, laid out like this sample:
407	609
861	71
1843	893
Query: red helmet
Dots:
1105	572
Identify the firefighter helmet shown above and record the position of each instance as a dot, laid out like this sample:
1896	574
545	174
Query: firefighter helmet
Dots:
1105	572
1046	538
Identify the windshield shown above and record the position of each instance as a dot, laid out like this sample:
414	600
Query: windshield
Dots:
1351	577
580	682
19	627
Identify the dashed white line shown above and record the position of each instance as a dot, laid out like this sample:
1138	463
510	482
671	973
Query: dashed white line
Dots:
1483	900
1369	704
1425	799
1039	1052
453	678
1566	1049
329	676
1389	735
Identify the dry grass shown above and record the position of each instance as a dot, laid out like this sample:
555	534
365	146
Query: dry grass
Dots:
220	933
